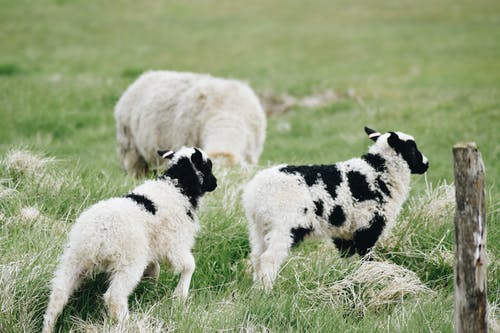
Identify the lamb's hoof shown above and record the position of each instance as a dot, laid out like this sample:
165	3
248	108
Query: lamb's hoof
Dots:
179	298
369	256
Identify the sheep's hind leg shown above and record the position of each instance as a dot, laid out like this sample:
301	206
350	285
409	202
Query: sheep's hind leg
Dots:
66	280
122	284
278	247
257	247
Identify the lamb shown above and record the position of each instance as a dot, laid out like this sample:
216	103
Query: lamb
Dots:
129	235
354	202
174	109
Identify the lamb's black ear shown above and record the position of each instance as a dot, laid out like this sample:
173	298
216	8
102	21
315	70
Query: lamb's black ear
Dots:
197	158
372	134
166	154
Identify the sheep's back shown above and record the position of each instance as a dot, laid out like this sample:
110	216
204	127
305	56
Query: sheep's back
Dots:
168	110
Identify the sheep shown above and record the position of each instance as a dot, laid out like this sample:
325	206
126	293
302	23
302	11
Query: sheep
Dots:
174	109
353	202
127	236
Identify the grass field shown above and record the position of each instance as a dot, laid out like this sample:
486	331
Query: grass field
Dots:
429	68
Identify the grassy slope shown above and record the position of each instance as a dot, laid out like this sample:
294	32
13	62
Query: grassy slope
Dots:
430	69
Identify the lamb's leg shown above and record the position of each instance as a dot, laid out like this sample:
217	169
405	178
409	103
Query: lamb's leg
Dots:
365	239
183	263
122	284
66	280
346	248
257	247
278	247
152	271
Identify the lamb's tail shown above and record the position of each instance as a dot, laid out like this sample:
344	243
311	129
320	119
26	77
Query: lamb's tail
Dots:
66	280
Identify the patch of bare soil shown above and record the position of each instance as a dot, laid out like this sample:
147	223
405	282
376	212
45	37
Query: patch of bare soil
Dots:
275	104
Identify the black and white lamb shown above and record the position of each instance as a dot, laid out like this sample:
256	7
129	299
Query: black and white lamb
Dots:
128	236
353	202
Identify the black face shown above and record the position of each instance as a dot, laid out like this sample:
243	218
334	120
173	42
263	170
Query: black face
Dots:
410	153
193	175
209	182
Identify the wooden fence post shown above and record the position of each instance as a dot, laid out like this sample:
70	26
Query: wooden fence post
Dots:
470	240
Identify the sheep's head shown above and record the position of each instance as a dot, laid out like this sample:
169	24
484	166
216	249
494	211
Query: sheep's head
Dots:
190	166
404	145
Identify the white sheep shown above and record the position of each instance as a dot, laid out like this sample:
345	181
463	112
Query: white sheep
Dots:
129	235
352	202
175	109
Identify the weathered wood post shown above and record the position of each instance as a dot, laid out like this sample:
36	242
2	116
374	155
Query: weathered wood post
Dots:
470	240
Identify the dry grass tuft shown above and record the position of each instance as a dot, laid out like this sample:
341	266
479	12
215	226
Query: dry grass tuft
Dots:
30	214
31	217
493	317
435	204
275	104
7	191
54	182
25	162
318	100
33	168
373	286
248	327
429	211
137	323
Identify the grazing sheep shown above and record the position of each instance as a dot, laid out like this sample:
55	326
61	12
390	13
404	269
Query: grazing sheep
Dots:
175	109
352	202
128	236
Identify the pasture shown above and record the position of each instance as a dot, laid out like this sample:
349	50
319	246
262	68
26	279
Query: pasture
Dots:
428	68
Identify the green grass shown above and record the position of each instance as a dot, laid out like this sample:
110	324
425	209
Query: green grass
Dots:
431	69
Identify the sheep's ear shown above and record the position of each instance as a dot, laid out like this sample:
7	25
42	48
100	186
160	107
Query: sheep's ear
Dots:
197	157
166	154
372	134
